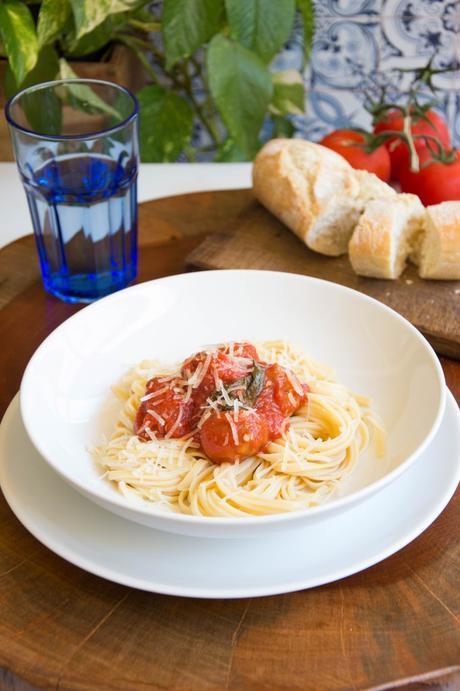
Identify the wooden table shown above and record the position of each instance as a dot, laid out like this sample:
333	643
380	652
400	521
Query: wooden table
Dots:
395	625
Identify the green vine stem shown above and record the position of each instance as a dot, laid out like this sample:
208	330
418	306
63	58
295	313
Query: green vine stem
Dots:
128	41
147	27
412	111
208	123
414	159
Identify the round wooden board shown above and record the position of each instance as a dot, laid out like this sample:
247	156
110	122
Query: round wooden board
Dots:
395	624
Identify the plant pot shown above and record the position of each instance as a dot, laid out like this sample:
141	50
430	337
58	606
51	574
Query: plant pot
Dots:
122	67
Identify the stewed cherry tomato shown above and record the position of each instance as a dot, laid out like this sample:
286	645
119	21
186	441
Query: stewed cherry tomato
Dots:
222	364
219	366
288	392
280	398
232	403
165	413
225	438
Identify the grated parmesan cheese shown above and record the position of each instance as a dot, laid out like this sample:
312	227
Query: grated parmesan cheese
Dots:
176	424
191	381
204	370
296	385
292	399
157	417
225	395
188	394
151	434
233	428
203	418
155	394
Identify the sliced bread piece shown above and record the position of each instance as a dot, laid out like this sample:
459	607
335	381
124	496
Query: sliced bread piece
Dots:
314	191
438	253
371	187
383	237
331	231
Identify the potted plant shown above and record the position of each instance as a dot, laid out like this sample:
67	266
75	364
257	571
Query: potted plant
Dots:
211	90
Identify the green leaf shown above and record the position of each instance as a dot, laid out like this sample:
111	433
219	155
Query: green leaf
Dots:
9	84
52	18
307	11
145	15
95	39
256	383
82	97
46	69
230	152
187	24
241	88
17	31
282	128
261	25
43	111
89	14
288	93
166	123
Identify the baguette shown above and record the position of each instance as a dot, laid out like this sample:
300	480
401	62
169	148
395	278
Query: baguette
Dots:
384	236
438	251
314	191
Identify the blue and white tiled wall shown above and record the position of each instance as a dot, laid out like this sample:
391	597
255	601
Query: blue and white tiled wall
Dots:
359	43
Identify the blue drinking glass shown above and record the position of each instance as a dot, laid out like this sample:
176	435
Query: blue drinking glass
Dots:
76	147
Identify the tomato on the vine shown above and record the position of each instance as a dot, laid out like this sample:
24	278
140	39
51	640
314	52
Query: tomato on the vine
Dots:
351	145
435	183
433	126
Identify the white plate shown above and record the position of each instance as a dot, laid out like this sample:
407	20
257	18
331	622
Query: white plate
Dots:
131	554
65	392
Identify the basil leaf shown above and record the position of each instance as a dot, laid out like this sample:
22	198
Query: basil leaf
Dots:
187	24
166	122
261	25
256	384
241	88
17	31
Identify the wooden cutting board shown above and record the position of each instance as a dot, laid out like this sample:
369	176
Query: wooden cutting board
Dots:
257	240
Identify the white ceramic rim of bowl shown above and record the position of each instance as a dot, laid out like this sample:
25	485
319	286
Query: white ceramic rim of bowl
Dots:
323	509
46	534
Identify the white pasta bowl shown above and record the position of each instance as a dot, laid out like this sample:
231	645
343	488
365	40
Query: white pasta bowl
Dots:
67	406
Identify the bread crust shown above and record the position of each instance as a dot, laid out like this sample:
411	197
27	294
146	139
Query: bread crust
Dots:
314	191
277	190
439	255
325	202
382	239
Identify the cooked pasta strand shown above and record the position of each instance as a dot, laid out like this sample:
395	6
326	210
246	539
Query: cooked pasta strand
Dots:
300	469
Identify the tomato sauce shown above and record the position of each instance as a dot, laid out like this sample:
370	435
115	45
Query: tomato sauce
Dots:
230	401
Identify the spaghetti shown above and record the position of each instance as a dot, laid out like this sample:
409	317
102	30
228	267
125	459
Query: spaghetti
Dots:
299	469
